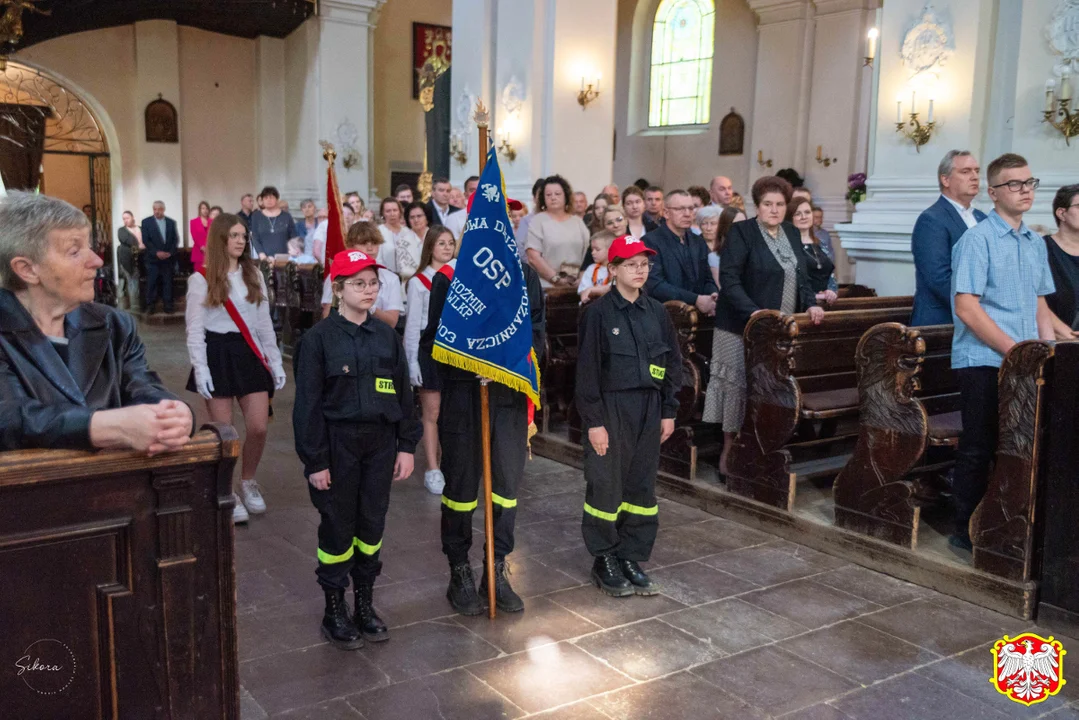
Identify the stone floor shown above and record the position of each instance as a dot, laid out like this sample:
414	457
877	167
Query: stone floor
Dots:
747	626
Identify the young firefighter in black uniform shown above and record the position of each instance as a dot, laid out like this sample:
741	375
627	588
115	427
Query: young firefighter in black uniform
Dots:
356	432
462	455
628	370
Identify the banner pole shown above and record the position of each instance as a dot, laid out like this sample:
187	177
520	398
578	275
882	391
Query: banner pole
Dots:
482	119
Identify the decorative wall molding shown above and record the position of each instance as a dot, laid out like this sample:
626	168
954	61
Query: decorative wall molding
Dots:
1062	32
362	13
774	11
928	43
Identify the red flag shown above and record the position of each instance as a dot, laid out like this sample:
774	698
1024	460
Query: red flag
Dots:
335	230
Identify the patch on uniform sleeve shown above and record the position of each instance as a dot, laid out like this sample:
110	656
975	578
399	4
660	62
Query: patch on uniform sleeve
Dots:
385	385
657	371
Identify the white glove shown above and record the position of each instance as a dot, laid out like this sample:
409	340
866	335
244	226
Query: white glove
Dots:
279	378
414	375
204	383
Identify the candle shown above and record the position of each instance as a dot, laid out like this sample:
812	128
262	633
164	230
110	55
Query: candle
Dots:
898	111
582	82
1050	88
873	32
1066	85
819	147
913	102
598	78
930	116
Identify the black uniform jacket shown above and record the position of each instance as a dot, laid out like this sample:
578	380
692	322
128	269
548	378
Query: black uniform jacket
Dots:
750	278
679	270
349	373
436	374
45	403
626	345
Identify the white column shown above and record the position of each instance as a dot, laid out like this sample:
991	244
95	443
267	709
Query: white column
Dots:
157	60
472	77
271	162
902	179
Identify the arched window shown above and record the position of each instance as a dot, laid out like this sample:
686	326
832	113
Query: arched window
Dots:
683	41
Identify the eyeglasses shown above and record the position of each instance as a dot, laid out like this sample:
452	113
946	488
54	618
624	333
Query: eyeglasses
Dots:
638	267
239	236
1017	185
363	286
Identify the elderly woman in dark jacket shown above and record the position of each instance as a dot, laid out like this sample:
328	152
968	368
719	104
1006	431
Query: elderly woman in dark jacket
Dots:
762	266
73	373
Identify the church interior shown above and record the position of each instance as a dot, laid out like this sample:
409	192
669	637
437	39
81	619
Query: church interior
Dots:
806	565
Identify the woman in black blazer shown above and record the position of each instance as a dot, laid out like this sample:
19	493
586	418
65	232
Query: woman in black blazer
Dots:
762	266
1063	249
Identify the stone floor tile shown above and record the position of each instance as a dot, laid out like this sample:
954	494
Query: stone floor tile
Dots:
733	625
577	711
915	697
672	514
428	647
305	677
648	649
574	562
280	629
770	564
412	601
256	588
546	537
681	695
858	652
873	586
542	621
530	576
807	603
774	680
817	712
565	505
546	677
452	695
249	708
933	627
689	542
416	562
692	583
1002	623
330	710
607	611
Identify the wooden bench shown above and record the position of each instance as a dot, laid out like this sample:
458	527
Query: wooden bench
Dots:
118	571
800	378
909	403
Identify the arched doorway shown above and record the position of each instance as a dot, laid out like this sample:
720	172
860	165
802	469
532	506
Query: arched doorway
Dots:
51	142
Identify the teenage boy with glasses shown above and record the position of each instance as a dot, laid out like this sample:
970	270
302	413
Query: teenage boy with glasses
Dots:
1000	277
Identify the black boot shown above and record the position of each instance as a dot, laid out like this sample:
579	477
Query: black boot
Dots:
608	577
366	619
642	584
462	591
506	599
337	627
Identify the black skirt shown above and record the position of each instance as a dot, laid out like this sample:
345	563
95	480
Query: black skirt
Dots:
234	368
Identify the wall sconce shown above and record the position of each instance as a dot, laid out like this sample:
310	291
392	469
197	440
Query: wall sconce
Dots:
761	161
1058	111
587	93
825	161
918	134
871	47
459	148
505	149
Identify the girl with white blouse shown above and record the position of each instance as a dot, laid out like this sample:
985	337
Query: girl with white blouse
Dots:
438	249
401	248
224	366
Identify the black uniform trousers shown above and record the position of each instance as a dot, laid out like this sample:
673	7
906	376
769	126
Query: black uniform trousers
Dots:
159	271
621	516
462	461
978	443
353	509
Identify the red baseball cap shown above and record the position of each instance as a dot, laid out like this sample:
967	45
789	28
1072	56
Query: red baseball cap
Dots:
514	204
350	262
626	247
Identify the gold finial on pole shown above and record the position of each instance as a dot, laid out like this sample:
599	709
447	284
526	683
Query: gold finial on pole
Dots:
329	154
482	116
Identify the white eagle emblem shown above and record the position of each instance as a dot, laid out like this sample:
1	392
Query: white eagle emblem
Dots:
356	256
491	193
1030	676
630	240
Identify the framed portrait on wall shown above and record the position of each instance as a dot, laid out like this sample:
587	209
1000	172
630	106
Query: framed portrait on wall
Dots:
432	42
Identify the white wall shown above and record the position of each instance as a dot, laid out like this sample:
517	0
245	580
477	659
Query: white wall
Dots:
682	158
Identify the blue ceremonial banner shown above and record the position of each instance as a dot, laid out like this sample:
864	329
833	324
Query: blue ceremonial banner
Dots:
486	324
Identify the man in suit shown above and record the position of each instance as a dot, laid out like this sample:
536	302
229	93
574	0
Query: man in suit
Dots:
938	229
162	240
442	212
680	270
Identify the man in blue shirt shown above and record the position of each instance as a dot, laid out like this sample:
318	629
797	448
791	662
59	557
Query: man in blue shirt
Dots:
1000	277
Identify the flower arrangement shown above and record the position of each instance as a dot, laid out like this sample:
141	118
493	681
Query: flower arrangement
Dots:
856	188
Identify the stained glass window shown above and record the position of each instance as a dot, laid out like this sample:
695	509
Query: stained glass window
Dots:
683	40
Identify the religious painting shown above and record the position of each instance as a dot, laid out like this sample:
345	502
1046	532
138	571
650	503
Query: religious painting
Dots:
732	134
429	42
161	123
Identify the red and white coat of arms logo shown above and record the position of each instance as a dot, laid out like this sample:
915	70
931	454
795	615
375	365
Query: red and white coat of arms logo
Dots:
1028	668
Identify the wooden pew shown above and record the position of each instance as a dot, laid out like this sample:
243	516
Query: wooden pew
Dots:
1003	526
909	403
559	370
118	573
851	290
870	302
295	291
797	374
